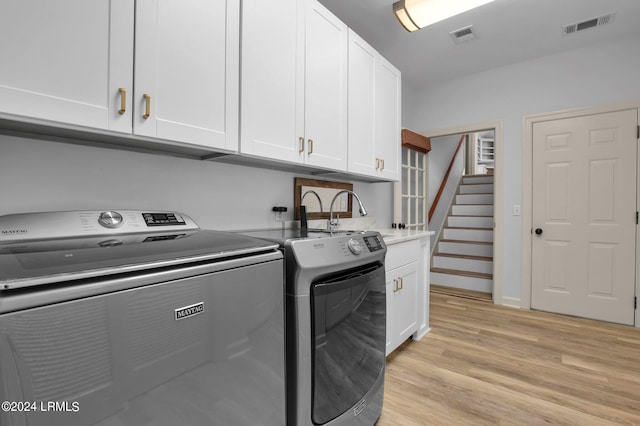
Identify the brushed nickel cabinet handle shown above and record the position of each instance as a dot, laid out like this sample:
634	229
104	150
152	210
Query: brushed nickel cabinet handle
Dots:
377	163
147	107
123	101
310	146
401	283
382	161
301	149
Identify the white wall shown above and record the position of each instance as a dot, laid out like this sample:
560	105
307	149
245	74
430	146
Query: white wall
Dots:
579	78
41	175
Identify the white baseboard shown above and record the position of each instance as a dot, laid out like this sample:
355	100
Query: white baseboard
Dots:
420	333
512	302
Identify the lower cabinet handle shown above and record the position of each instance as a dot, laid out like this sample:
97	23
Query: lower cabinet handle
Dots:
401	283
382	161
310	146
123	101
377	163
301	149
395	285
147	107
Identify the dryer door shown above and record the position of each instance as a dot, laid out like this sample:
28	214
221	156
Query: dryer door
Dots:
349	326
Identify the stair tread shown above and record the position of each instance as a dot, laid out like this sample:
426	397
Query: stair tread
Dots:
469	228
478	175
479	193
462	273
464	256
489	243
474	204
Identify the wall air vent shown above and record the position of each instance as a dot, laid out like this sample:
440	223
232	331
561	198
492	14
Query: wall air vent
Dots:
589	23
464	34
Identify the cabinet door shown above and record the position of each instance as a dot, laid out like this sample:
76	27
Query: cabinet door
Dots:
387	121
187	59
325	88
361	120
272	104
64	61
402	304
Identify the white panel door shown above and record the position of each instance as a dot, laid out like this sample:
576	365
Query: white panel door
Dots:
388	126
325	88
362	106
65	61
272	104
186	76
584	216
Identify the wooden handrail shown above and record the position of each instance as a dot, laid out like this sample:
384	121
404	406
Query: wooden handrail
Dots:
444	180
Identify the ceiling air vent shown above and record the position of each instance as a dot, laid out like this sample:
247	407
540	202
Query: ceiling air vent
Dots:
589	23
464	34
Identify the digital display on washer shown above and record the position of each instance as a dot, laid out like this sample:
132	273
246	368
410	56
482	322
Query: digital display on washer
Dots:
162	219
373	243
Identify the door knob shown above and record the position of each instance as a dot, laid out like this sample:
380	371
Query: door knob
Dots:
538	231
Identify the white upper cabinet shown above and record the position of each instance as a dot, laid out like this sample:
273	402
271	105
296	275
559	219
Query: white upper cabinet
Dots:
65	61
294	83
362	107
374	112
325	88
70	63
186	71
272	79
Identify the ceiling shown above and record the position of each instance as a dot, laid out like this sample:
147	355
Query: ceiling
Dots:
507	31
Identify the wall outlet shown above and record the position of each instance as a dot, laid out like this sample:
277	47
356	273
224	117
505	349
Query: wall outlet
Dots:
516	209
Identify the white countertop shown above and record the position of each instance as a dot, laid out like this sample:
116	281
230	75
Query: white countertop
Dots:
390	235
395	236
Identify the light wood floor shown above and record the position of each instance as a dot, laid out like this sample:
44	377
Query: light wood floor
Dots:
487	364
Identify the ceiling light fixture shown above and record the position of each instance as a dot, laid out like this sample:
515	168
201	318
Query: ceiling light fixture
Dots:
416	14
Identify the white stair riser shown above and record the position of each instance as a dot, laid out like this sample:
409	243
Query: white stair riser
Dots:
467	283
462	248
461	264
474	199
472	210
467	234
470	221
477	179
477	189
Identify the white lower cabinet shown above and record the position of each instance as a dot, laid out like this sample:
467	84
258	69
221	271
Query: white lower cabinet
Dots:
403	296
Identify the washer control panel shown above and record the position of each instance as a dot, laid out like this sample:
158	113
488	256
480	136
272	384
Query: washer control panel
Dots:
70	224
110	219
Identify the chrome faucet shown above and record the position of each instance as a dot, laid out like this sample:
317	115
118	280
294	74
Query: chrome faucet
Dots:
314	193
363	212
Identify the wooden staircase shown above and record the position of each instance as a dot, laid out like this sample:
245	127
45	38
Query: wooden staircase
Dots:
464	254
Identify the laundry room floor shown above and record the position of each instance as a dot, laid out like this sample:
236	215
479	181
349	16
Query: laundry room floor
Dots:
483	364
